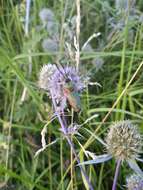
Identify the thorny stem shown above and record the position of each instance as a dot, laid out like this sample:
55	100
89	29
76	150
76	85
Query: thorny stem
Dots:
71	144
116	174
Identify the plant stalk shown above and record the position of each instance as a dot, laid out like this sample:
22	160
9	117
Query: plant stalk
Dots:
71	144
116	174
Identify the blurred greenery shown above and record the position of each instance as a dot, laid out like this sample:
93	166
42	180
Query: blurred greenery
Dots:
113	58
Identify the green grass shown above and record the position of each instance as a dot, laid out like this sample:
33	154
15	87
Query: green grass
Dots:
21	122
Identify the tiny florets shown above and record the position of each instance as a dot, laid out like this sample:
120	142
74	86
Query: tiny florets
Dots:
123	140
59	80
45	76
135	182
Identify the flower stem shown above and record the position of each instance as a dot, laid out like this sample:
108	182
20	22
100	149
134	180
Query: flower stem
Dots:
116	174
71	145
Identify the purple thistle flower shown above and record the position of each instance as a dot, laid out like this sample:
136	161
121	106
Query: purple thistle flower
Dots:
54	79
135	182
46	14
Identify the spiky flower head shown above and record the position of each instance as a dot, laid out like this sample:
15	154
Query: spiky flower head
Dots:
45	76
124	140
53	79
46	15
135	182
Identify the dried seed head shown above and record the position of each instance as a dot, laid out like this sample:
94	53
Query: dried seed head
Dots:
45	76
135	182
123	140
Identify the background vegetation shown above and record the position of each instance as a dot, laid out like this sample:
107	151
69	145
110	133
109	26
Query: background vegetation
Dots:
112	60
